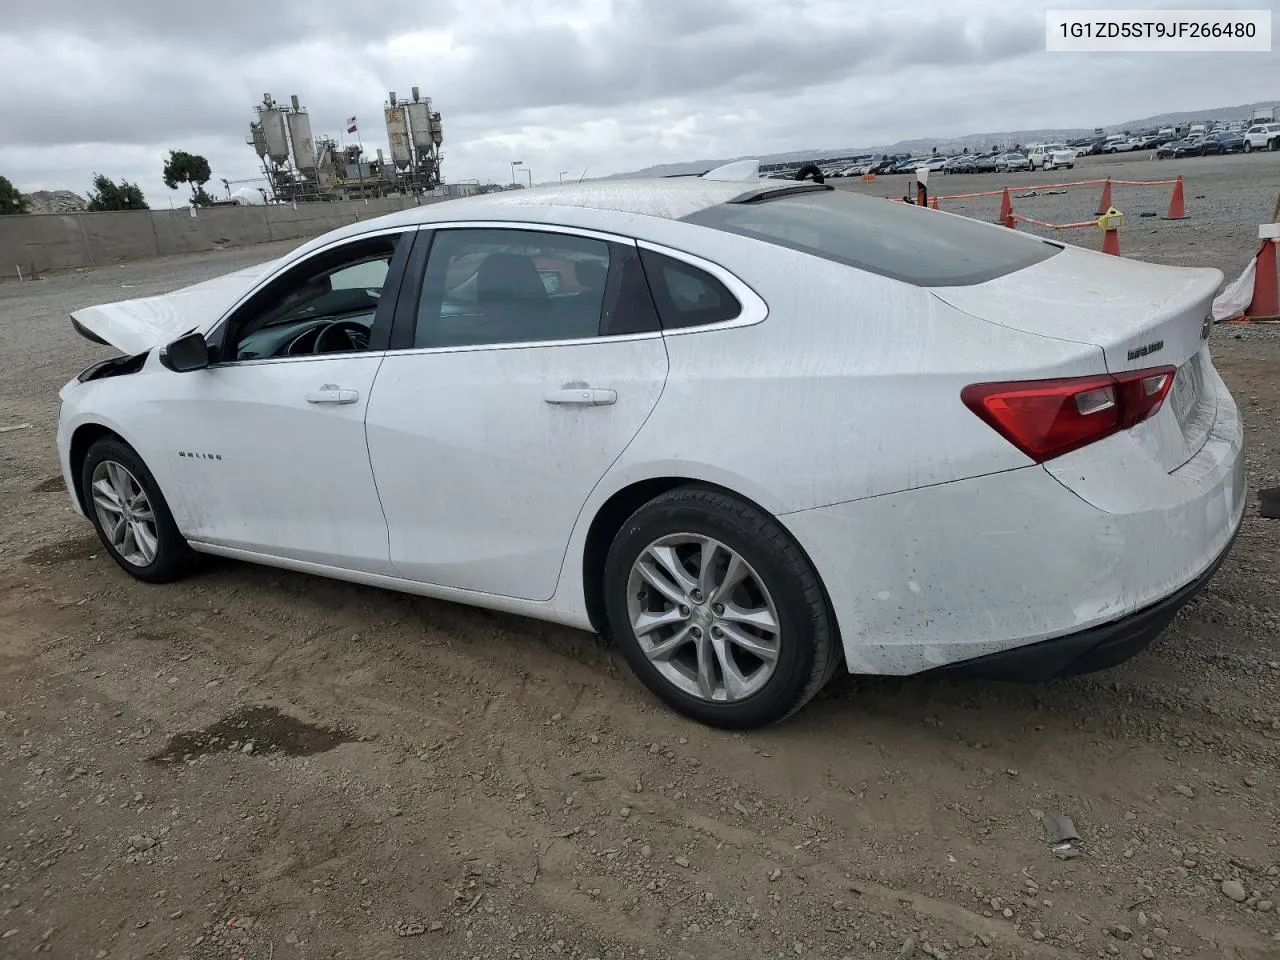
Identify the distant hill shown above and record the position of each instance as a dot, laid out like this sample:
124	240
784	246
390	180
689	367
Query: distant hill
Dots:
974	141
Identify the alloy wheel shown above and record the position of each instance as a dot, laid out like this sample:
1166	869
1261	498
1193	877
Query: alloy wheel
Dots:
704	617
125	513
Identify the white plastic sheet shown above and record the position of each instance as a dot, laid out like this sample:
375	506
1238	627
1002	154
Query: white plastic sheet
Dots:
1235	296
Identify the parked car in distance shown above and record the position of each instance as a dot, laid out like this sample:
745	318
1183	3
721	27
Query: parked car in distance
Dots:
1232	141
1220	142
1050	156
1177	148
1011	162
1262	136
985	163
1119	144
962	163
1058	465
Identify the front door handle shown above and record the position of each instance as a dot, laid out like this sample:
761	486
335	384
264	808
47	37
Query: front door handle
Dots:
582	396
330	393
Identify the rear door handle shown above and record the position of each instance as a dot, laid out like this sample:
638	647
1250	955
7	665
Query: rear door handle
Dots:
582	396
330	393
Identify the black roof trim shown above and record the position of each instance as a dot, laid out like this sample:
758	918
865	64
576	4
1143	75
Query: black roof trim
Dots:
765	194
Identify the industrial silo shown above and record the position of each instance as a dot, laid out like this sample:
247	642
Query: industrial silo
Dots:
397	134
271	118
304	151
419	114
258	139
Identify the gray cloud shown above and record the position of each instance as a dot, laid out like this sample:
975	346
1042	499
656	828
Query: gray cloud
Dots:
235	25
602	84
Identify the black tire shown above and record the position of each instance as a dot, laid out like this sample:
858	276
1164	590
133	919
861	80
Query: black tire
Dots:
1273	144
1248	147
809	649
173	555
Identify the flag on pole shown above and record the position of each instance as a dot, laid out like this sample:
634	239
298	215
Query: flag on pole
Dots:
351	124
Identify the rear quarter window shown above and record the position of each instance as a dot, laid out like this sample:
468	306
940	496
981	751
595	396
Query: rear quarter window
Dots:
686	296
895	240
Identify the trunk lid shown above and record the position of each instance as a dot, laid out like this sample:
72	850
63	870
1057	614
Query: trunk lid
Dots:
1139	315
136	326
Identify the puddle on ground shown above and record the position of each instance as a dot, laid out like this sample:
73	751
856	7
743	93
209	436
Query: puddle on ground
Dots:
52	485
67	551
253	730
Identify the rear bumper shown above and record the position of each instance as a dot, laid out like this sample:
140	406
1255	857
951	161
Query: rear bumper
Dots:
1092	552
1098	648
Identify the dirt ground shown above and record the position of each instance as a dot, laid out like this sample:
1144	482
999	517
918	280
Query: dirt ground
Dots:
256	764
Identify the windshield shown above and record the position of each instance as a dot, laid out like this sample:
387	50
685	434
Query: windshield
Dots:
892	240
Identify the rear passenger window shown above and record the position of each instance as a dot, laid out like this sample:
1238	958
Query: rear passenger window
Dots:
511	286
686	296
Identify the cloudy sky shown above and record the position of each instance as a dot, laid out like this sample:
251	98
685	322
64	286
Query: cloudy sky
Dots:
598	85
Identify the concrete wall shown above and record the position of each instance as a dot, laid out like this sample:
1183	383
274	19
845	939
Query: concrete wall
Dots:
49	242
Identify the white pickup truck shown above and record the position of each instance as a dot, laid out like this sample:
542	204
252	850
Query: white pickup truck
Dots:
1050	156
1262	136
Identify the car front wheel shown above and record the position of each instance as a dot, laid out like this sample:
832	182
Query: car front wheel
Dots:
1248	147
717	610
130	514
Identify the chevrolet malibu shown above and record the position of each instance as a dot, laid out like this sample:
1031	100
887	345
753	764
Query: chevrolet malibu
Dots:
754	432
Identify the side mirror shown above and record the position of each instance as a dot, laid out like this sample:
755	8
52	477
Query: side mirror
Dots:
189	352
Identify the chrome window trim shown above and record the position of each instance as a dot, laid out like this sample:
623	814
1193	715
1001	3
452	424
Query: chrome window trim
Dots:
754	309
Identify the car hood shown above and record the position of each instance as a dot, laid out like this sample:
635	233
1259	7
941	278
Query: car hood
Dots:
136	326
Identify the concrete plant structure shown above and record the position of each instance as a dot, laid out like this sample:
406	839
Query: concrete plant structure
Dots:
299	166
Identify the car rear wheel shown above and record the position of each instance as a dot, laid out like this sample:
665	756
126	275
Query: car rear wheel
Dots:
1274	144
130	514
717	610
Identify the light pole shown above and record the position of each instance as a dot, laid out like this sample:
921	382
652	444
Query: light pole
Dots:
514	164
529	174
562	173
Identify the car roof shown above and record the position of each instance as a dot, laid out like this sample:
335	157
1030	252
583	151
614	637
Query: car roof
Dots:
669	197
584	205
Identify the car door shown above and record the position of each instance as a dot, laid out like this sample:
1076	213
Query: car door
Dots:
267	443
523	364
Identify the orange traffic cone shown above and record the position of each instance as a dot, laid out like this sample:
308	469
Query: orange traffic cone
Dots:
1176	210
1265	304
933	202
1111	242
1006	209
1104	202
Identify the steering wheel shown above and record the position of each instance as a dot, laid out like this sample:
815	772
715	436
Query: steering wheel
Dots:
340	336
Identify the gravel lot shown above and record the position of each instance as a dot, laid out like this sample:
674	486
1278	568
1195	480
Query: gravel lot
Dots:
255	764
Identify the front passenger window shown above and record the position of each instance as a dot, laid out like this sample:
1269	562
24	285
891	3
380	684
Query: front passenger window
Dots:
326	304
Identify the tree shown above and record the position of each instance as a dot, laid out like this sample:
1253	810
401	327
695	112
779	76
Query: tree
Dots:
11	199
191	169
108	195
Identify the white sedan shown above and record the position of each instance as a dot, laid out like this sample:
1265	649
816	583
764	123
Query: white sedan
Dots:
754	432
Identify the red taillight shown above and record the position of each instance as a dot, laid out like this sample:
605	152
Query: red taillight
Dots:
1047	418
